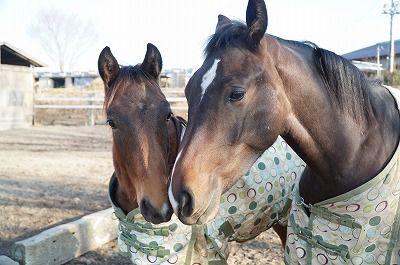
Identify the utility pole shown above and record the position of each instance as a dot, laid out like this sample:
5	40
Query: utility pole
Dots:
378	59
392	10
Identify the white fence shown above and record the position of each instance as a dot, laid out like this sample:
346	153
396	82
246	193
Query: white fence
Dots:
90	106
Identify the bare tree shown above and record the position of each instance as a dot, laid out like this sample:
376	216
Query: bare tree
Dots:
64	37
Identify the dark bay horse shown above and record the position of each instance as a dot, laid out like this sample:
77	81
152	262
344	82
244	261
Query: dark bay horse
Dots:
253	87
144	133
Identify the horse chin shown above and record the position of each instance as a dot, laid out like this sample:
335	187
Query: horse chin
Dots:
202	216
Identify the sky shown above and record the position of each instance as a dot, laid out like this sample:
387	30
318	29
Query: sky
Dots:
180	28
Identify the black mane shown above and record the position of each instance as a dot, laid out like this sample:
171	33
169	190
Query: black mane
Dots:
345	83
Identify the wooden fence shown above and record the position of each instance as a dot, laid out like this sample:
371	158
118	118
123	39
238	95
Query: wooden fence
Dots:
92	103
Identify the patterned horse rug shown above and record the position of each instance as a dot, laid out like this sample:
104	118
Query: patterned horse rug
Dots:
358	227
257	201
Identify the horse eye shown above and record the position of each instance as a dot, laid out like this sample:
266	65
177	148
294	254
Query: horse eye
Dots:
169	117
111	123
236	95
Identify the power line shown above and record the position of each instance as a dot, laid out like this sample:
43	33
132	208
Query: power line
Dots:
361	16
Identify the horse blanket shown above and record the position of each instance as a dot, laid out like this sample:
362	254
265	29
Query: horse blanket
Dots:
359	227
257	201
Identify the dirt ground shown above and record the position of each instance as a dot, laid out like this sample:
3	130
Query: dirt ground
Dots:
51	174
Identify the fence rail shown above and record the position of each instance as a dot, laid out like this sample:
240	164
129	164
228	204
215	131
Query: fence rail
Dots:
68	99
48	106
92	99
90	106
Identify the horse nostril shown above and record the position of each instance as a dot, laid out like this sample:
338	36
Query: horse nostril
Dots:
186	203
151	214
147	209
145	205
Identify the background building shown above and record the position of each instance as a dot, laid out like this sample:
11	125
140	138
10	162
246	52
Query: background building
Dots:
375	54
77	79
16	87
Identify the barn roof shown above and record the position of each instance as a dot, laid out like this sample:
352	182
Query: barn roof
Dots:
371	51
11	55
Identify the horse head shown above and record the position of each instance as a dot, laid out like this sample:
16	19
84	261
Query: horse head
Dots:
143	132
223	119
253	87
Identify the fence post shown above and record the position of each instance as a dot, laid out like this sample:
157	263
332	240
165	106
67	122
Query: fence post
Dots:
91	111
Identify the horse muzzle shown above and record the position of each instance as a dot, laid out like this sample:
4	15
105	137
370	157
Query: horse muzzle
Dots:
154	215
189	213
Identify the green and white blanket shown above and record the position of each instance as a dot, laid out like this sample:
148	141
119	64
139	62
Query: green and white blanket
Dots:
257	201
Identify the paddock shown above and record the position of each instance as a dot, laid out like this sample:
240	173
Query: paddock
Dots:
57	174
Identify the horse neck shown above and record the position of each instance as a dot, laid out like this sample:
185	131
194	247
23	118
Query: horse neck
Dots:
340	151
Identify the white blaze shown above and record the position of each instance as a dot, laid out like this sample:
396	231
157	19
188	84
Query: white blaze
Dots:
208	77
172	200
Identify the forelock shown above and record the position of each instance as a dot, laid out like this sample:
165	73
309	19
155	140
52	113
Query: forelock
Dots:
233	35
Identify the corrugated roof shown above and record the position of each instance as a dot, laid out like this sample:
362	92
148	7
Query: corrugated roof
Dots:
371	51
11	55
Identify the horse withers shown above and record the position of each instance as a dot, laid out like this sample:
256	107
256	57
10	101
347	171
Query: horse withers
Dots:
253	87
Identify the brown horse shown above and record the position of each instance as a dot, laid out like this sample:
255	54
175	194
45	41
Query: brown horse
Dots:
144	133
138	115
253	87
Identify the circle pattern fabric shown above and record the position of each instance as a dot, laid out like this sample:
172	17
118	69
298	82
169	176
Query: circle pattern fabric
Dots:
251	206
374	207
257	200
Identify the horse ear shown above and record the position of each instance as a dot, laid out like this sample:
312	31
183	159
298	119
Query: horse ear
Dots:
257	21
108	66
223	21
152	62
